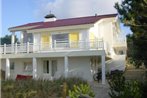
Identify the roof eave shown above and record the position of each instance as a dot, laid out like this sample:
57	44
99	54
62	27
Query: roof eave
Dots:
84	26
21	28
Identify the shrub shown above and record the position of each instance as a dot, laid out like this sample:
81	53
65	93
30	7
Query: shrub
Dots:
81	91
124	89
2	74
144	89
37	88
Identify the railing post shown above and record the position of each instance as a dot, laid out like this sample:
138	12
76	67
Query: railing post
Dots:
12	48
27	47
16	48
54	44
39	46
97	44
103	45
51	45
4	48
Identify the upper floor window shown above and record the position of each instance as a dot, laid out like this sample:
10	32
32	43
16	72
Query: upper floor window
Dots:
30	38
121	52
60	40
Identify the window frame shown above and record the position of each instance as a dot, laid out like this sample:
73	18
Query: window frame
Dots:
28	67
46	68
65	41
12	65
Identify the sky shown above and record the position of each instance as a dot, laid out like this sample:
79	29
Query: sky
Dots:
18	12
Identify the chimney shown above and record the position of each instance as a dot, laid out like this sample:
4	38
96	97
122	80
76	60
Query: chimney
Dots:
50	18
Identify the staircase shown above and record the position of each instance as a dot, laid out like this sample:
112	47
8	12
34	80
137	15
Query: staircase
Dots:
117	62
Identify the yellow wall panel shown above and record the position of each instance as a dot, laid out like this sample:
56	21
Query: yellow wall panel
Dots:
92	39
45	40
91	36
74	39
74	36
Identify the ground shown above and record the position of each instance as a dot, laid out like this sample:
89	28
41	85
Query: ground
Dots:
100	90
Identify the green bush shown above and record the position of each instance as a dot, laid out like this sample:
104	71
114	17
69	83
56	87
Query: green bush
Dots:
120	88
37	88
144	89
81	91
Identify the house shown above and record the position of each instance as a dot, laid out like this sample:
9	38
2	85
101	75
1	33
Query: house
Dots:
65	47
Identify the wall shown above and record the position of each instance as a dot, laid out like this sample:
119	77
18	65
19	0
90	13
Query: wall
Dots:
105	31
78	66
18	66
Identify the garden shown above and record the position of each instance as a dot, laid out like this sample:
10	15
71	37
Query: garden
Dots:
60	88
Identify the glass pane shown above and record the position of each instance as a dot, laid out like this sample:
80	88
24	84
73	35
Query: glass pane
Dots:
46	66
28	67
12	65
60	40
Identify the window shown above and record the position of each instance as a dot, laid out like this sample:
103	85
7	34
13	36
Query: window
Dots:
60	40
28	67
54	67
12	65
46	66
121	52
30	38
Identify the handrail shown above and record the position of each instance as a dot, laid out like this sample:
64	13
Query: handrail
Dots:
52	46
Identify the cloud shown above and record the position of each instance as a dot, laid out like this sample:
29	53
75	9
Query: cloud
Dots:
75	8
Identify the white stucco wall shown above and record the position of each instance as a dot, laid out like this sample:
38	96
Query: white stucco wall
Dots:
18	67
78	66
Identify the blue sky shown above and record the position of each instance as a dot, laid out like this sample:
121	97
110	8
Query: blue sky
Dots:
17	12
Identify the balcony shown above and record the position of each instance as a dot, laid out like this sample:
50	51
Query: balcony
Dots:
51	47
120	42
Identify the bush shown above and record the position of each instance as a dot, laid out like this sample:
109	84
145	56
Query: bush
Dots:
124	89
144	89
81	91
37	88
2	74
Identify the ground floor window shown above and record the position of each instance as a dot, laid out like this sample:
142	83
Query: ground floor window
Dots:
12	64
28	67
46	66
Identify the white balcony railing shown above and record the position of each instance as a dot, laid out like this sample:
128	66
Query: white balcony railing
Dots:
119	42
50	47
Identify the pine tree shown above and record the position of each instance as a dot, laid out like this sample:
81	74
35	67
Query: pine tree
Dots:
133	13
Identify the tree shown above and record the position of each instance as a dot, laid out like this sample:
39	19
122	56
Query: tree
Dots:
133	13
7	39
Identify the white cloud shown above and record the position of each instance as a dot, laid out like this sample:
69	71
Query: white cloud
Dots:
75	8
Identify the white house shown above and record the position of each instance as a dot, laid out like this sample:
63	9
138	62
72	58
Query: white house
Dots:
65	47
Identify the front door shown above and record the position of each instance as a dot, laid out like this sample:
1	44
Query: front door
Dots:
49	68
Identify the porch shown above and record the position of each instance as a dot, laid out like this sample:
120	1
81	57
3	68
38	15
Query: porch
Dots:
67	65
